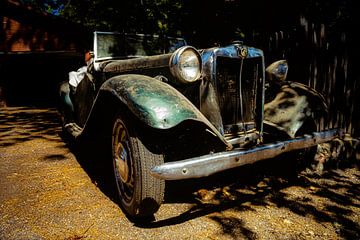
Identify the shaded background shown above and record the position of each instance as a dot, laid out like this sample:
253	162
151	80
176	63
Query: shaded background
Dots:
317	38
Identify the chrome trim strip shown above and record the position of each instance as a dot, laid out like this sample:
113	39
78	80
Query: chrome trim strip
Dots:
244	138
212	163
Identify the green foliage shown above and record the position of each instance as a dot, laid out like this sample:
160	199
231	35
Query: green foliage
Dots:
159	16
204	22
54	7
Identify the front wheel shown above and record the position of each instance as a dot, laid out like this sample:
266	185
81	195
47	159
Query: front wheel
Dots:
140	193
305	157
293	162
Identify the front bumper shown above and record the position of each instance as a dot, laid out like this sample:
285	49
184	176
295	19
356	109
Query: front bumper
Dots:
212	163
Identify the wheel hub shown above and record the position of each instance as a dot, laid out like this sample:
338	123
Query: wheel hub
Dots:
121	161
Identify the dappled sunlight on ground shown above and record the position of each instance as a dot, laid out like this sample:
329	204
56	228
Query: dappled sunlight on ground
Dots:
19	125
52	191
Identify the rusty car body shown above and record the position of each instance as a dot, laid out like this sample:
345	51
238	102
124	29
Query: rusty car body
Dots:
175	112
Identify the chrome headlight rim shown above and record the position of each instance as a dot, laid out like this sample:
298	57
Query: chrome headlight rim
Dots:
176	68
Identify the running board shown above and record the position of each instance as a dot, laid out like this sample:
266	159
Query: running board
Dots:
206	165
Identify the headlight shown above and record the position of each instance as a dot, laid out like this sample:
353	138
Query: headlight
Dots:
278	70
185	64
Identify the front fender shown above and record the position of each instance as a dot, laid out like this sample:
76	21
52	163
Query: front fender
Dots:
291	104
155	103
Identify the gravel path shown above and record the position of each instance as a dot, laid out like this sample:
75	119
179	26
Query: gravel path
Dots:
50	192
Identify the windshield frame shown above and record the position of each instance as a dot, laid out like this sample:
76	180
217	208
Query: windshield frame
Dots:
165	48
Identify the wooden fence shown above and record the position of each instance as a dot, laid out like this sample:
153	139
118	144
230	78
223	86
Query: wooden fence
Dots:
326	61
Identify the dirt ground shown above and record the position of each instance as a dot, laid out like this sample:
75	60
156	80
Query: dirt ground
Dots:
48	191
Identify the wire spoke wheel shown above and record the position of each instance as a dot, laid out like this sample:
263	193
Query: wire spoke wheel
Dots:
140	193
123	163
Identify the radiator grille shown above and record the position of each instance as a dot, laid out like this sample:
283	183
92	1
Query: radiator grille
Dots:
237	81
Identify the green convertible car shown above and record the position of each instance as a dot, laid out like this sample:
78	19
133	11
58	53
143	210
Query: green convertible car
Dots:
175	112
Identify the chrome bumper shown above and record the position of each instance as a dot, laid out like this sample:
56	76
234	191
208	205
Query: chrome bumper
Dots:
212	163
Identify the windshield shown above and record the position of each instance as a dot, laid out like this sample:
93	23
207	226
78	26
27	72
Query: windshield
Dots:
114	45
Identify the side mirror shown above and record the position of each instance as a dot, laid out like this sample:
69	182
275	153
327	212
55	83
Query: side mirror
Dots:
277	70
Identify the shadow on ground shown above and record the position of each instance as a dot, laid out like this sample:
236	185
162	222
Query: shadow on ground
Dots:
261	184
243	189
22	124
266	184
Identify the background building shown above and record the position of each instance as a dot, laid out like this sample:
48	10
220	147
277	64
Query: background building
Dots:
37	50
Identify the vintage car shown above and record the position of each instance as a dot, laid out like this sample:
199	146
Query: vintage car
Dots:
175	112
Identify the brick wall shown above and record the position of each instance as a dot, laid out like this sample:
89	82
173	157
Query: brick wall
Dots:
23	29
37	51
18	36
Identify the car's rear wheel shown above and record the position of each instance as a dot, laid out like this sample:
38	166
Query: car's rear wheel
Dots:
140	193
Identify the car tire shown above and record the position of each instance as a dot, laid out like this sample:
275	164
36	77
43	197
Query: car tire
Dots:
290	164
140	193
305	157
